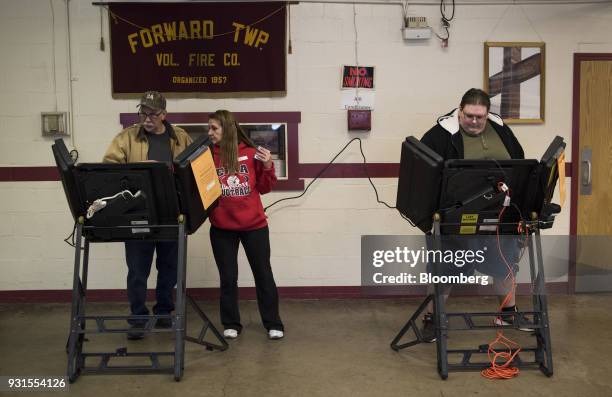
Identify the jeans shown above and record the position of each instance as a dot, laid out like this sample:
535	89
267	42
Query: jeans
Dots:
139	257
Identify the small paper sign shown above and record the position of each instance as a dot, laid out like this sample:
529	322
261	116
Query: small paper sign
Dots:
205	174
561	165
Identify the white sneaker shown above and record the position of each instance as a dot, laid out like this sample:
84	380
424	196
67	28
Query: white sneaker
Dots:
230	333
275	334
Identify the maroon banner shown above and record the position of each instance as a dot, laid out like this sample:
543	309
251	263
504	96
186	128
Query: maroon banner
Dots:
198	47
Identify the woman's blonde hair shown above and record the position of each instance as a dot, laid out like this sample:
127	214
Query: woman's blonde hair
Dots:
232	135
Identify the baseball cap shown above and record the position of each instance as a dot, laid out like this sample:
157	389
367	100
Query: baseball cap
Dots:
153	100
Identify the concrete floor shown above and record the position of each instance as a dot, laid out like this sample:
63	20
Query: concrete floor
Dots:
331	348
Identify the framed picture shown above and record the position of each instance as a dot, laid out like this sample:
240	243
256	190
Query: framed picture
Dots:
272	137
514	78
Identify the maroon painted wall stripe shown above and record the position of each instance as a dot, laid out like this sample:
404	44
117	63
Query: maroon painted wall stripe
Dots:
329	292
305	170
28	174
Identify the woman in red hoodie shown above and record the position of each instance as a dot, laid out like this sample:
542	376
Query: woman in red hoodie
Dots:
244	172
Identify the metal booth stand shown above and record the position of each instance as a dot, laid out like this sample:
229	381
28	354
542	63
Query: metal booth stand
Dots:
77	360
466	321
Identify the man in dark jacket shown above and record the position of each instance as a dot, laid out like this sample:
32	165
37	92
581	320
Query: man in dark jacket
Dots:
472	132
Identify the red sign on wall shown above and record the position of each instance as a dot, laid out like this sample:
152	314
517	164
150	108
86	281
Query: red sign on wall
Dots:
198	47
358	77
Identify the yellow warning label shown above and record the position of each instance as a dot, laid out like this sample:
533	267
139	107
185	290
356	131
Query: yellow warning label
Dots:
467	230
469	218
561	165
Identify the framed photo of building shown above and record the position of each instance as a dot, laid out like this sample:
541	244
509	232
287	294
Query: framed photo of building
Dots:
514	77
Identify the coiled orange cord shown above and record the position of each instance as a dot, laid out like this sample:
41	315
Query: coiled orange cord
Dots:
503	370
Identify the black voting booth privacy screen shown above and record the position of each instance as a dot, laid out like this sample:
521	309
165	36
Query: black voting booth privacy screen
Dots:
420	170
471	187
66	167
456	187
163	196
549	168
187	189
155	205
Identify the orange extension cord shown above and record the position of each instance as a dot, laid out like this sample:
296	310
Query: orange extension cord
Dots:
503	370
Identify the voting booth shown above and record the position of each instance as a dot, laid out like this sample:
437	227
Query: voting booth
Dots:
150	201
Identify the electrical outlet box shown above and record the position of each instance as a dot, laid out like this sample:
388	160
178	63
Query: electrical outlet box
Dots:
359	119
417	33
416	28
415	22
54	123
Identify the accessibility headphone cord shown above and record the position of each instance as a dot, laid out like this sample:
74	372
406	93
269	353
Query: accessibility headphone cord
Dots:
365	167
98	205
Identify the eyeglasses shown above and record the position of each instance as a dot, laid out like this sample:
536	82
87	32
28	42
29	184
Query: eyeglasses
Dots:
151	116
476	117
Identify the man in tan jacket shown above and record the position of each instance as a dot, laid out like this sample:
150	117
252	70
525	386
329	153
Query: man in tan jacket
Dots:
153	139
